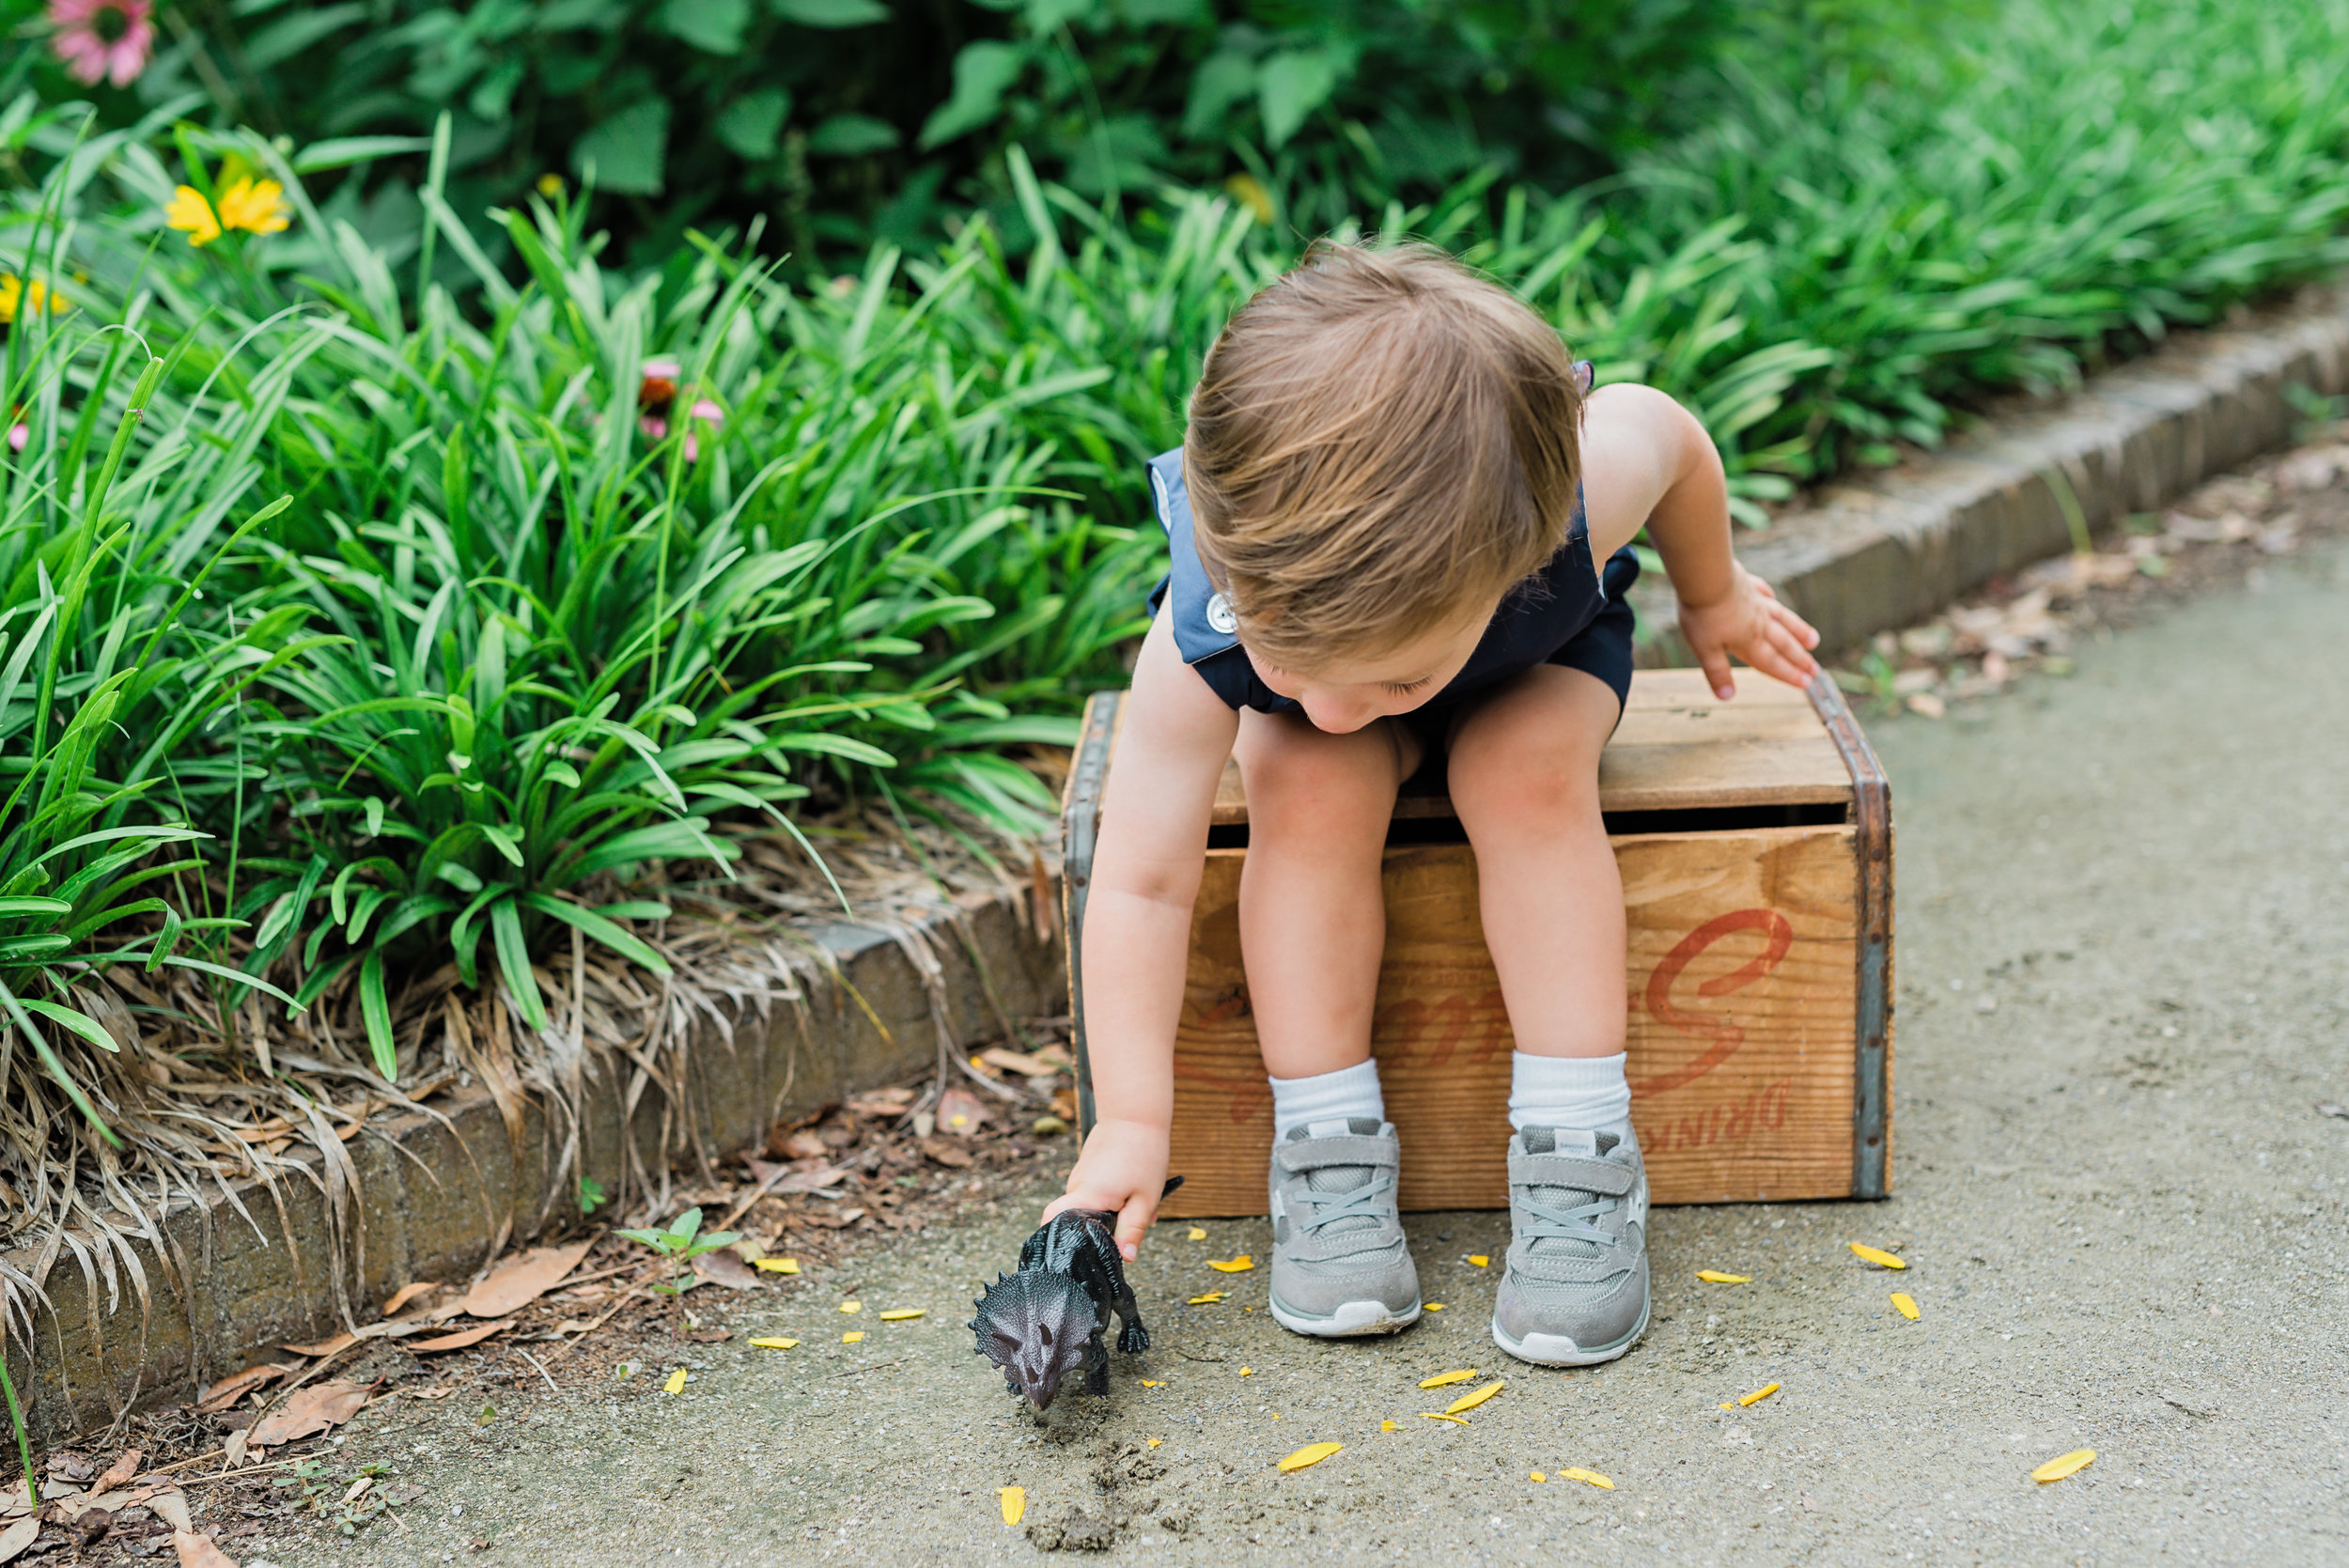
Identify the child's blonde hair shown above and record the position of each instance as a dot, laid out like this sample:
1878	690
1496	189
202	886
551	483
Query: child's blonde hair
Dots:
1382	441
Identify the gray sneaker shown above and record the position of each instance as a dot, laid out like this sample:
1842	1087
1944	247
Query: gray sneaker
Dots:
1576	1289
1340	1267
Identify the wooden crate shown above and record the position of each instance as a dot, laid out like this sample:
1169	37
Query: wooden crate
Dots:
1755	842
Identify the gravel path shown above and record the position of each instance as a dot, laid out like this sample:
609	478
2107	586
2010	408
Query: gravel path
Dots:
2123	923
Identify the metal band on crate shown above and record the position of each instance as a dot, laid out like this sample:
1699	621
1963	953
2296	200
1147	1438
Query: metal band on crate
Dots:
1081	826
1871	847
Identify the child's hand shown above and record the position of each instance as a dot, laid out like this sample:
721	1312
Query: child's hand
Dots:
1748	623
1123	1170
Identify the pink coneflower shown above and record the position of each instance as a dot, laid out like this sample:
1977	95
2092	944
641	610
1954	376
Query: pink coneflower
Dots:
102	40
657	394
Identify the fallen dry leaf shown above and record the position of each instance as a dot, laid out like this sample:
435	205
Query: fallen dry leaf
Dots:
778	1266
1470	1402
1590	1477
881	1102
519	1281
1444	1379
232	1449
945	1151
806	1143
2063	1465
18	1536
1430	1415
308	1412
1013	1500
723	1268
1019	1061
1714	1276
234	1387
675	1382
839	1221
457	1341
1064	1104
170	1505
1765	1391
197	1551
1904	1304
902	1314
1875	1255
853	1336
777	1344
1312	1453
325	1348
1240	1265
960	1113
1212	1296
406	1293
813	1177
122	1470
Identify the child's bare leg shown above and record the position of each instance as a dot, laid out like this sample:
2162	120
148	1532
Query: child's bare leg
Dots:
1311	925
1524	778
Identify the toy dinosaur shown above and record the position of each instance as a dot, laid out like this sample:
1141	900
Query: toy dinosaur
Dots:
1046	1321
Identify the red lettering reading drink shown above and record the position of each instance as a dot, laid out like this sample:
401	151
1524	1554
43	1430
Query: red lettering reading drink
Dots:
1726	1036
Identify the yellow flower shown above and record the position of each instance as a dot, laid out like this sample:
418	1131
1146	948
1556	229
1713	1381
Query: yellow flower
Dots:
550	185
30	295
191	211
255	206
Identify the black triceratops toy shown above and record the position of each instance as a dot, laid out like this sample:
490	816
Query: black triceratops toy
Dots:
1046	1321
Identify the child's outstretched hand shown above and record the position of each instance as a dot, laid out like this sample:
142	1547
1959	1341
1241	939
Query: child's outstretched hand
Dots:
1748	623
1123	1170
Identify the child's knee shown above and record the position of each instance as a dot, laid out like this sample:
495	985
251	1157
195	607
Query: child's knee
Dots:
1522	774
1307	775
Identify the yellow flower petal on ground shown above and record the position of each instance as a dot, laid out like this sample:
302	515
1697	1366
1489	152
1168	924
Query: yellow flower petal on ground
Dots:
1210	1298
189	211
676	1381
1714	1276
1247	1372
1765	1391
852	1306
1240	1265
853	1336
1390	1426
1535	1475
1149	1383
1156	1441
1589	1477
1435	1306
1470	1402
1442	1379
1726	1406
1480	1260
1876	1255
774	1343
1312	1453
2063	1465
1198	1235
1432	1416
902	1314
778	1266
1904	1304
1014	1502
255	206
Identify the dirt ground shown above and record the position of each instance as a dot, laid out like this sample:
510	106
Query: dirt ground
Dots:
2119	1173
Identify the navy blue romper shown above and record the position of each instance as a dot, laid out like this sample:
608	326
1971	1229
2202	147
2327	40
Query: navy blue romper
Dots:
1565	613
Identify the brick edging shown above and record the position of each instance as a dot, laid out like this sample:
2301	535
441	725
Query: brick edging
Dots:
437	1199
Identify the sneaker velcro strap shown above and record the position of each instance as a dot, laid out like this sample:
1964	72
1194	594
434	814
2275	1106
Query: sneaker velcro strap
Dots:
1313	1154
1603	1176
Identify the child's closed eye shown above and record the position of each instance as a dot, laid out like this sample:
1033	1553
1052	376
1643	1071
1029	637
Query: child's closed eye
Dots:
1404	688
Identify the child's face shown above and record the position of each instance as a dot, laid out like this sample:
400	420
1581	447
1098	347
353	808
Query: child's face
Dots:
1343	696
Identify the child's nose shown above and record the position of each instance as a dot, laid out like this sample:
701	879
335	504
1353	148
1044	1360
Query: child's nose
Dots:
1335	716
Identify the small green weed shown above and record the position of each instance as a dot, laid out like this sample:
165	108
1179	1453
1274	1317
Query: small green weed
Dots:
681	1243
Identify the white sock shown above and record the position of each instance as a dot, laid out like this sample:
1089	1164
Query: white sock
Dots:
1326	1098
1578	1091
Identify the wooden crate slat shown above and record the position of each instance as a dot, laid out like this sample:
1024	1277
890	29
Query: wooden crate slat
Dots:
1740	1095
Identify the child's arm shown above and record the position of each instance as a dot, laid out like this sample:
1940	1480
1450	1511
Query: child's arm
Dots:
1147	864
1647	462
